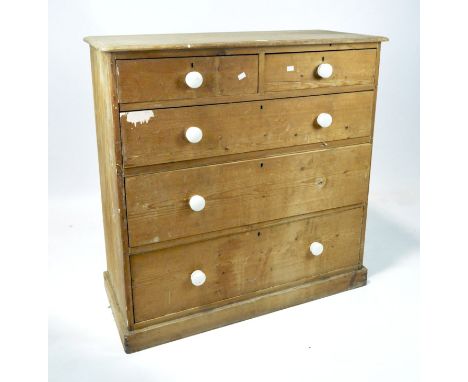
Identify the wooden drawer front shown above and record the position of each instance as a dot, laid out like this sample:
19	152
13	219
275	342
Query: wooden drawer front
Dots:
296	71
244	263
147	80
243	127
245	192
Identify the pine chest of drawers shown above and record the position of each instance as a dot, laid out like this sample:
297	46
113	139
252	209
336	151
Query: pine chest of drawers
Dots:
234	173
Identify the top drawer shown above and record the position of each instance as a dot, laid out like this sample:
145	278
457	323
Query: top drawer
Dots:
146	80
295	71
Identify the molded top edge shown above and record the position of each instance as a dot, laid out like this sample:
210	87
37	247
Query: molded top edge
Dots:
225	40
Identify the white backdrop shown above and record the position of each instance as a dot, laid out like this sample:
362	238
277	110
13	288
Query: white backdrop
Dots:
368	334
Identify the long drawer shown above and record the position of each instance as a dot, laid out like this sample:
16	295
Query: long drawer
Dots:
244	263
245	192
295	71
159	136
145	80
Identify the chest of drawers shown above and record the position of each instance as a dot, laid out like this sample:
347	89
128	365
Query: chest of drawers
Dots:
234	173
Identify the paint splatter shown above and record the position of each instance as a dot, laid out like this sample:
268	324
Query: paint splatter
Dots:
136	117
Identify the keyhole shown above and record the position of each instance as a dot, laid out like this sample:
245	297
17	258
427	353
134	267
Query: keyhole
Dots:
261	164
261	107
323	59
191	64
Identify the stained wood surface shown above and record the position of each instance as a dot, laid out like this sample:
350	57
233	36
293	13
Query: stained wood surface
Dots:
243	127
235	230
350	68
160	333
225	40
244	192
255	173
135	106
164	79
112	197
241	264
233	51
172	166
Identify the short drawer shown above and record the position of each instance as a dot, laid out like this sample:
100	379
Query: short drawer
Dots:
295	71
162	135
244	263
162	206
146	80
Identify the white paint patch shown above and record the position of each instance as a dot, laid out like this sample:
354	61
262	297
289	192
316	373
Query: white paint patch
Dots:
261	40
241	76
290	68
188	46
136	117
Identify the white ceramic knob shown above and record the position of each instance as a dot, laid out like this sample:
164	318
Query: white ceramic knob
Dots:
197	203
325	70
316	248
194	80
194	134
324	120
198	277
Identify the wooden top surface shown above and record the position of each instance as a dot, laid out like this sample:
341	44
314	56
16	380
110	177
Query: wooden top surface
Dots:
225	40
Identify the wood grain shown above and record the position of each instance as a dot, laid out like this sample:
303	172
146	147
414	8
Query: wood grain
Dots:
172	166
112	193
350	68
243	127
230	313
273	182
244	192
232	51
241	264
225	40
364	222
235	230
135	106
164	79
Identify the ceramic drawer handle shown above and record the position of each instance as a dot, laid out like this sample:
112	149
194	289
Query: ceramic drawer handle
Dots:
197	203
324	120
316	248
325	70
194	134
194	80
198	277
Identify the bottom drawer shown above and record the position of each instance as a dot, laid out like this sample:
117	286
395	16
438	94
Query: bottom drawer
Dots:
243	263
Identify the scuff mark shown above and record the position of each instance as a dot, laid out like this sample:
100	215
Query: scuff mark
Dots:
136	117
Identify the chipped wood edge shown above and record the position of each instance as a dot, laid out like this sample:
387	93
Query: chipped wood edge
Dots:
117	311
